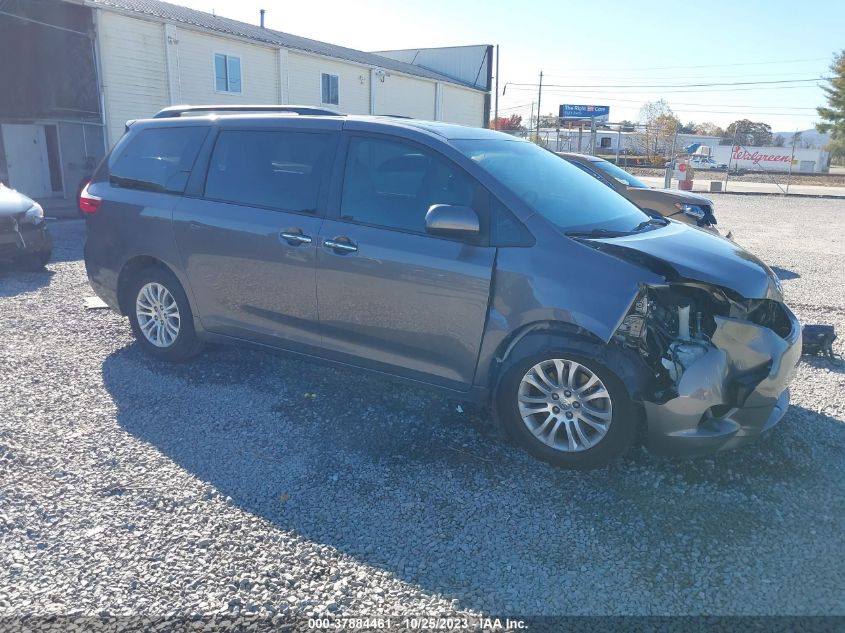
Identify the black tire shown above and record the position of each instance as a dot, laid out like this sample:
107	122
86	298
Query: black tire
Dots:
33	262
620	432
185	345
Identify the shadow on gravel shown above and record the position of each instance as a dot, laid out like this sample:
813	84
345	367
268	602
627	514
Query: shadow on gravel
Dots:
823	363
68	239
14	281
784	274
405	480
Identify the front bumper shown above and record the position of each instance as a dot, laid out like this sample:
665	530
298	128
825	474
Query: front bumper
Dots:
736	391
28	239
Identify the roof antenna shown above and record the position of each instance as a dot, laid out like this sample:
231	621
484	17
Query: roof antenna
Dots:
262	17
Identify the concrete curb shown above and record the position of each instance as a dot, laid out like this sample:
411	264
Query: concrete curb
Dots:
826	196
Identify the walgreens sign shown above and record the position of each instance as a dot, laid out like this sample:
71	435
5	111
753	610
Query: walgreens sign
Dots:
762	156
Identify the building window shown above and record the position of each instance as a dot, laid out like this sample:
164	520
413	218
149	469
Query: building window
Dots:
605	142
329	83
227	73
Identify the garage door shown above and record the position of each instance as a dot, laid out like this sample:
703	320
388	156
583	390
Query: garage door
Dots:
27	161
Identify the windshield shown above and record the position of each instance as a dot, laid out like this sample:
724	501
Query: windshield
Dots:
563	194
619	174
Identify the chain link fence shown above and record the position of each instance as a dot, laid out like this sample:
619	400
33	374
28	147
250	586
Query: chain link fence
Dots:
713	162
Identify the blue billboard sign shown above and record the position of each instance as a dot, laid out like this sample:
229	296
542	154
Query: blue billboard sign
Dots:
569	111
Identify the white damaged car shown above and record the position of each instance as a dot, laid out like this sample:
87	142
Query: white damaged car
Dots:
24	239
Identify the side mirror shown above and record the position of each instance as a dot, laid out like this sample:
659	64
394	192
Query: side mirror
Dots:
451	221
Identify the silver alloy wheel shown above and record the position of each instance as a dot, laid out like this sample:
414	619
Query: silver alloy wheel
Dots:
158	314
565	405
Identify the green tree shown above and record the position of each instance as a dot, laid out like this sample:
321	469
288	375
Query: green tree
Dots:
709	129
748	133
833	116
689	128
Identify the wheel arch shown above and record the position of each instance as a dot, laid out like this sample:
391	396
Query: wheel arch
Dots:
535	337
135	265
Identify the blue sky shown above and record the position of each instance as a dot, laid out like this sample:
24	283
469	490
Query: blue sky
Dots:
604	44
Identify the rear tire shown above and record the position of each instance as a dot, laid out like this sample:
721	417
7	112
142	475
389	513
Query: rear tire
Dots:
161	316
580	416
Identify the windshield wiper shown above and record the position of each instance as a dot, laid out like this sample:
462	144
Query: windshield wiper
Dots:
132	183
597	233
649	222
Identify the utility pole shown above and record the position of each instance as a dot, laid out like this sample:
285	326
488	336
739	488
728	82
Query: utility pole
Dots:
791	159
539	96
730	156
496	108
618	142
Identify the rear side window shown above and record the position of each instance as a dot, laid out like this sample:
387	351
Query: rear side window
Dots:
158	159
277	170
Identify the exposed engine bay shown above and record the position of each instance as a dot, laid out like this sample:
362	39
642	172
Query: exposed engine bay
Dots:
709	352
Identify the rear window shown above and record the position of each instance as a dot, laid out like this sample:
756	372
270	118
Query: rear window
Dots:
277	170
158	159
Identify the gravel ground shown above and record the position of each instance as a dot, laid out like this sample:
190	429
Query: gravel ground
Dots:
247	482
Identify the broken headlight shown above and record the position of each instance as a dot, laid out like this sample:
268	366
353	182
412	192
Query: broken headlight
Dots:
692	210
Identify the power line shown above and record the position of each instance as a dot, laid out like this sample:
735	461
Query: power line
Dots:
781	61
701	85
592	75
715	105
558	90
524	105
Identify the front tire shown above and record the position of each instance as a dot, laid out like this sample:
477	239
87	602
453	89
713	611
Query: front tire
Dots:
566	409
161	317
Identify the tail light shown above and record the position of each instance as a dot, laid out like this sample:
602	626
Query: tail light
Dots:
88	203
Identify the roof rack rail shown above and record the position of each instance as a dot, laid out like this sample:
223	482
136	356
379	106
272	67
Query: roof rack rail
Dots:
179	110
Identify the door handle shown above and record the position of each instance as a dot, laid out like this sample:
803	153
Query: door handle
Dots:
294	237
341	245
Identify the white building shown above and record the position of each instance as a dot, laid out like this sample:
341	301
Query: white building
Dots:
85	67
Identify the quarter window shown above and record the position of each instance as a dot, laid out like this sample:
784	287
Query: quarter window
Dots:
329	87
227	73
158	159
392	184
277	170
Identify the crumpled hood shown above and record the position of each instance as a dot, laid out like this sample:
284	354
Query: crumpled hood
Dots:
679	251
12	202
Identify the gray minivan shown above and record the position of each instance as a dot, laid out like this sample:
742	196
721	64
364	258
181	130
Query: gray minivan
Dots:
456	257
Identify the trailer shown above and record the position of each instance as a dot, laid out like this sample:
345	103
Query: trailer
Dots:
780	159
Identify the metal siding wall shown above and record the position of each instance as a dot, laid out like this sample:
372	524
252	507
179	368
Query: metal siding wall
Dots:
304	73
259	69
134	69
406	97
463	105
468	64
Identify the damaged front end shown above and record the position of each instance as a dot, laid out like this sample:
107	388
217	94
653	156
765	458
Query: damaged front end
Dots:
720	364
